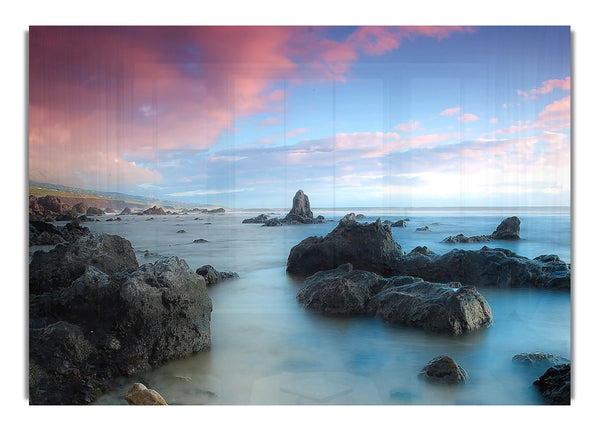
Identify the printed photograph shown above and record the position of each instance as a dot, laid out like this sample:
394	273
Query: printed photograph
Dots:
299	215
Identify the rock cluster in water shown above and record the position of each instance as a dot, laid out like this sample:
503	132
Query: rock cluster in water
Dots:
448	308
508	229
96	315
299	214
371	247
42	233
212	276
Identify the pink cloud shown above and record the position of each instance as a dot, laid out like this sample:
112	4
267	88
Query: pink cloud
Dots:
494	120
410	126
555	116
269	121
547	87
450	111
467	118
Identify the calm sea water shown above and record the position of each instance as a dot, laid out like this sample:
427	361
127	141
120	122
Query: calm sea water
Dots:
267	349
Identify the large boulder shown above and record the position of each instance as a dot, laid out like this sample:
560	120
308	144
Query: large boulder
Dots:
59	267
555	384
487	267
435	307
508	229
103	326
449	308
43	207
140	395
369	247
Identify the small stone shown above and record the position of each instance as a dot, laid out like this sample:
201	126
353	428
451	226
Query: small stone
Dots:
139	395
444	369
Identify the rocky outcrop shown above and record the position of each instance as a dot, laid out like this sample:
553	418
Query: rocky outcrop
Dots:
212	276
508	229
423	229
369	247
44	207
140	395
555	385
460	238
216	211
399	223
445	370
126	211
93	211
59	267
42	233
487	267
79	208
154	211
273	222
446	308
88	329
539	360
258	219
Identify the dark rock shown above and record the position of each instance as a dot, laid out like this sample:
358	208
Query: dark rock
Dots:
461	238
212	276
110	210
555	384
46	206
320	219
423	229
273	222
361	217
154	211
539	359
181	231
387	222
301	212
449	308
216	211
444	369
84	218
93	211
486	267
370	247
59	267
421	250
258	219
199	241
103	326
509	228
435	307
126	211
399	223
150	219
79	208
42	233
66	217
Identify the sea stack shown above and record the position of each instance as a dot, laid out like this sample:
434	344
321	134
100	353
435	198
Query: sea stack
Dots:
300	212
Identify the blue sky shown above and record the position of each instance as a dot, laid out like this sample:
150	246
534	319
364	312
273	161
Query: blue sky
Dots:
355	116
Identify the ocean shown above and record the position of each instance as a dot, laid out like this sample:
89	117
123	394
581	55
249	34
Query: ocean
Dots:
267	349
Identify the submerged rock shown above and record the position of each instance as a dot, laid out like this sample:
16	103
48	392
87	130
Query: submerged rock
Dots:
212	276
539	359
139	395
449	308
444	369
555	384
370	247
423	229
460	238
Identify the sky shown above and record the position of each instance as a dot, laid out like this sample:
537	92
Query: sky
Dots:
243	116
